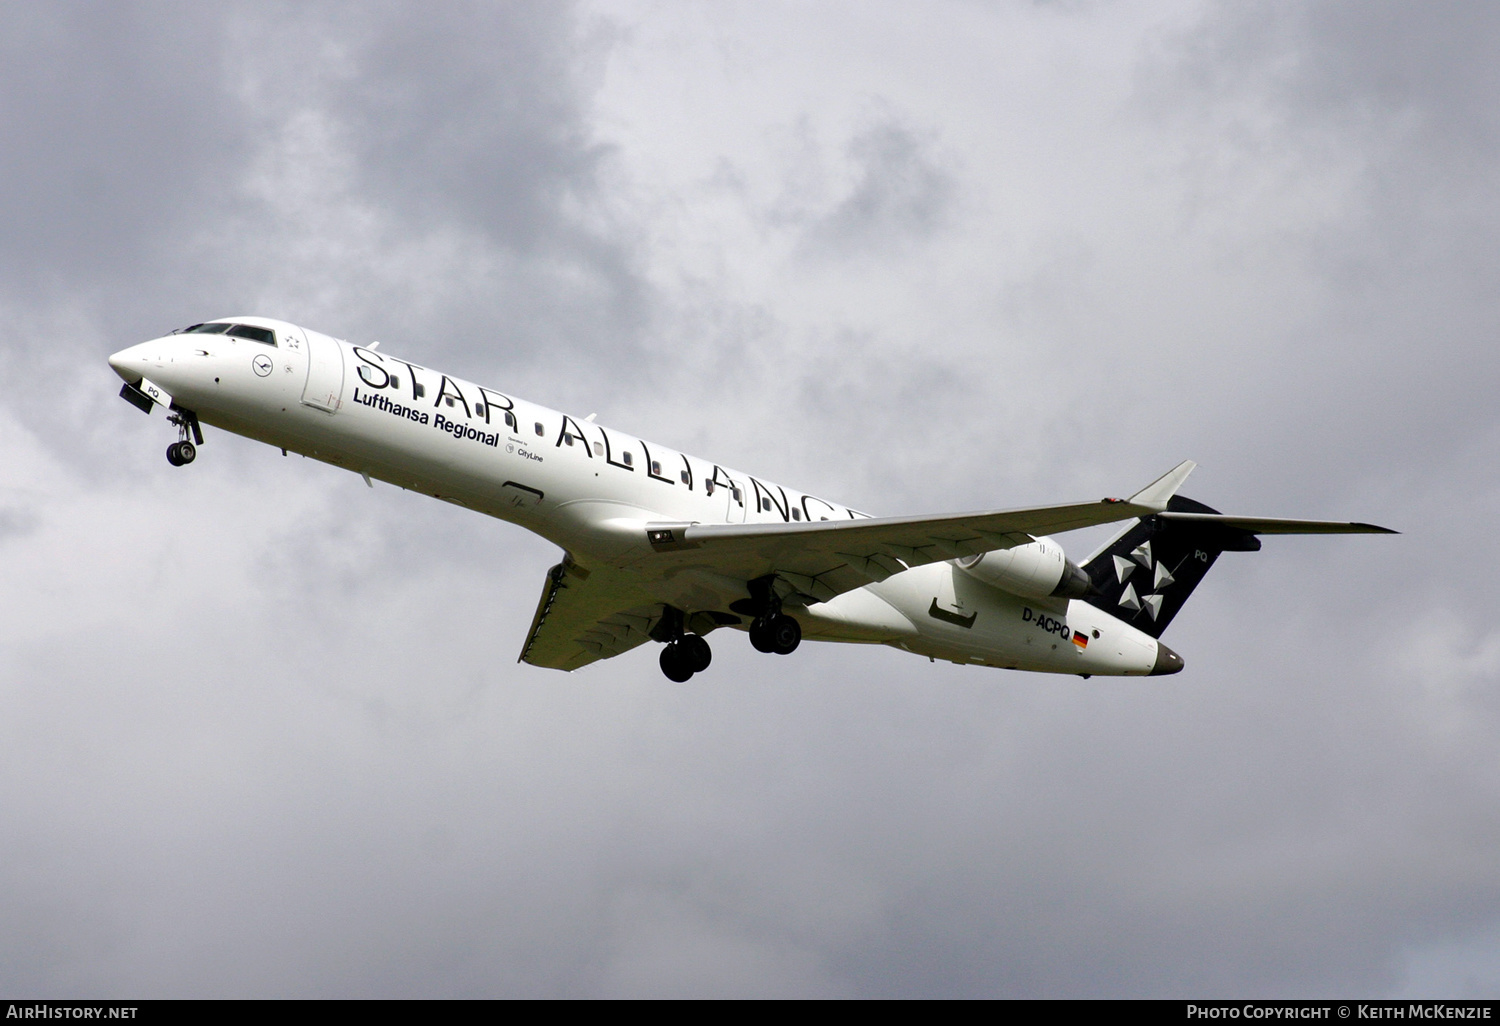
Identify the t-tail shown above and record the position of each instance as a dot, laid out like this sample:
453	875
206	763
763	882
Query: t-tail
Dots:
1145	575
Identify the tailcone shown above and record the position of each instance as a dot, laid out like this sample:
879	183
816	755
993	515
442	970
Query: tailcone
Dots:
1167	661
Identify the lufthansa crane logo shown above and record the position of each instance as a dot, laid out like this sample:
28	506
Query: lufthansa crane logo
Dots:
262	365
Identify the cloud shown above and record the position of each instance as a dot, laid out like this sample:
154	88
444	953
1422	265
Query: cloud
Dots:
898	193
319	160
116	129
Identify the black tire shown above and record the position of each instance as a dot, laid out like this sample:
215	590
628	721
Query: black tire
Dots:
696	652
786	635
760	635
674	665
172	456
187	452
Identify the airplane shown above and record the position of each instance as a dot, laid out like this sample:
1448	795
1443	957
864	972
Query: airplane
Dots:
666	547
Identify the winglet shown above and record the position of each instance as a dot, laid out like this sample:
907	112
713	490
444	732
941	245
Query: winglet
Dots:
1156	494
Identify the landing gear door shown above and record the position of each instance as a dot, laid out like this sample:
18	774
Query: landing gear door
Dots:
325	373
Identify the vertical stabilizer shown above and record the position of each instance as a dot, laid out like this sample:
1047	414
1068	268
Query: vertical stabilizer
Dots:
1146	574
1159	493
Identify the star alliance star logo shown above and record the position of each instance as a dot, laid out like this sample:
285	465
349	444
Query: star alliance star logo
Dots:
1140	558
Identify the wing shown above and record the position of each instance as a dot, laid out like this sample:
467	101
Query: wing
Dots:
588	615
824	559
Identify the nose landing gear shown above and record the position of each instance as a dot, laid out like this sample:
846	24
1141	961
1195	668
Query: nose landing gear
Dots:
182	452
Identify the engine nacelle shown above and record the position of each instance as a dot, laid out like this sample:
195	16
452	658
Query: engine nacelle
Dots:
1036	570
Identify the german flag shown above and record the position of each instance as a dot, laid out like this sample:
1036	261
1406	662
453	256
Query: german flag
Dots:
1080	639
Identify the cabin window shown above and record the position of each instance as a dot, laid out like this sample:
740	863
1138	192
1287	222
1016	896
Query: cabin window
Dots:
796	514
686	477
539	429
450	401
598	448
708	486
765	504
395	381
656	467
737	497
478	410
568	438
510	420
629	460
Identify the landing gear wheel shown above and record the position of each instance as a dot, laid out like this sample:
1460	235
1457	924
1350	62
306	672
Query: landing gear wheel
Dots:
181	453
785	634
696	652
760	635
777	633
673	664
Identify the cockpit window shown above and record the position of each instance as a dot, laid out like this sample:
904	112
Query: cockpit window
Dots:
265	335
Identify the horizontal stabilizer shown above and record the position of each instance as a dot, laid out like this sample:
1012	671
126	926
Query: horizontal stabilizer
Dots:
1145	574
1274	525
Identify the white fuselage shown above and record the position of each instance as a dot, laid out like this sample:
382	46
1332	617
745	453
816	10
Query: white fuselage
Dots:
590	488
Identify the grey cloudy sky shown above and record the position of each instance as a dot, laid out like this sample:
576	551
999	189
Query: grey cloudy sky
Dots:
262	732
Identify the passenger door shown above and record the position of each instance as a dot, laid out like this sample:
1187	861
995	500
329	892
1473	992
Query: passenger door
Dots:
325	373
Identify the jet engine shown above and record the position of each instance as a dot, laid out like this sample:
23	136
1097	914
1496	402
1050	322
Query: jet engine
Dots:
1036	570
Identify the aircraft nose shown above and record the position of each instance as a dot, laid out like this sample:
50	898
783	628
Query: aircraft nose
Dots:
1167	661
130	363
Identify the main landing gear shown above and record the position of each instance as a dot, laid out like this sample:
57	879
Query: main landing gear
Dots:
775	632
182	452
682	654
771	630
684	657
